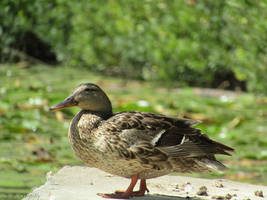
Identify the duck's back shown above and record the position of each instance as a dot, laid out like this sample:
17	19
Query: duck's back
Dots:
156	138
163	132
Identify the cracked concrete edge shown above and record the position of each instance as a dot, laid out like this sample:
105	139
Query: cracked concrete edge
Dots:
83	183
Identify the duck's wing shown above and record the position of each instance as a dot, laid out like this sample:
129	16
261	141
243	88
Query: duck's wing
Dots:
154	138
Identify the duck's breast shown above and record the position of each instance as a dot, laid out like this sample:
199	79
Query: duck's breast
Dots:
82	138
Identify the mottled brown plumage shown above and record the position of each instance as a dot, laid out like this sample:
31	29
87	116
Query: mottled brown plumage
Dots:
134	144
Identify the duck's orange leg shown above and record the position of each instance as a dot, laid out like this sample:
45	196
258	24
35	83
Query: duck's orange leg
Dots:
141	192
142	189
123	195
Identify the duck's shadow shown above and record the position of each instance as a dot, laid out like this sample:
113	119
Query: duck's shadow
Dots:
164	197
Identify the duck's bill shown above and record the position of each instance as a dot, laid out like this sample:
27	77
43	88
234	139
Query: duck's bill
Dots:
68	102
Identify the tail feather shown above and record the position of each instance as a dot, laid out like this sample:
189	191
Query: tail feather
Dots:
222	148
213	164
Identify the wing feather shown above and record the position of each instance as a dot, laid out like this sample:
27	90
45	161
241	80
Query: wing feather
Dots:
173	137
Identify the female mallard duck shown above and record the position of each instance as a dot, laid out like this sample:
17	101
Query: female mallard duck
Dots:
134	144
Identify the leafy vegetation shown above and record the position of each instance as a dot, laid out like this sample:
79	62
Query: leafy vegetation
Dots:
34	141
189	42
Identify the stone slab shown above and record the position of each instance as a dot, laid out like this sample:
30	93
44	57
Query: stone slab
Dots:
83	183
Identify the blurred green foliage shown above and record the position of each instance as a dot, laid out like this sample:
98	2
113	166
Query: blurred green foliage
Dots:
175	41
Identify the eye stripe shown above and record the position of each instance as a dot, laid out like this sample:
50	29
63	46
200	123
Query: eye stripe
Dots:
90	89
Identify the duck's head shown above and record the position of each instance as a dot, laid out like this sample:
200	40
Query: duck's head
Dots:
87	96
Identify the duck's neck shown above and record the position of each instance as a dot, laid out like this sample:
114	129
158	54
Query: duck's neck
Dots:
103	109
86	120
102	114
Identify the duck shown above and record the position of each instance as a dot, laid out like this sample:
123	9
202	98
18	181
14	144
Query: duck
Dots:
134	144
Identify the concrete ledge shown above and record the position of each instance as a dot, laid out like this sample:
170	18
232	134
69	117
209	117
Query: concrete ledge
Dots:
83	183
